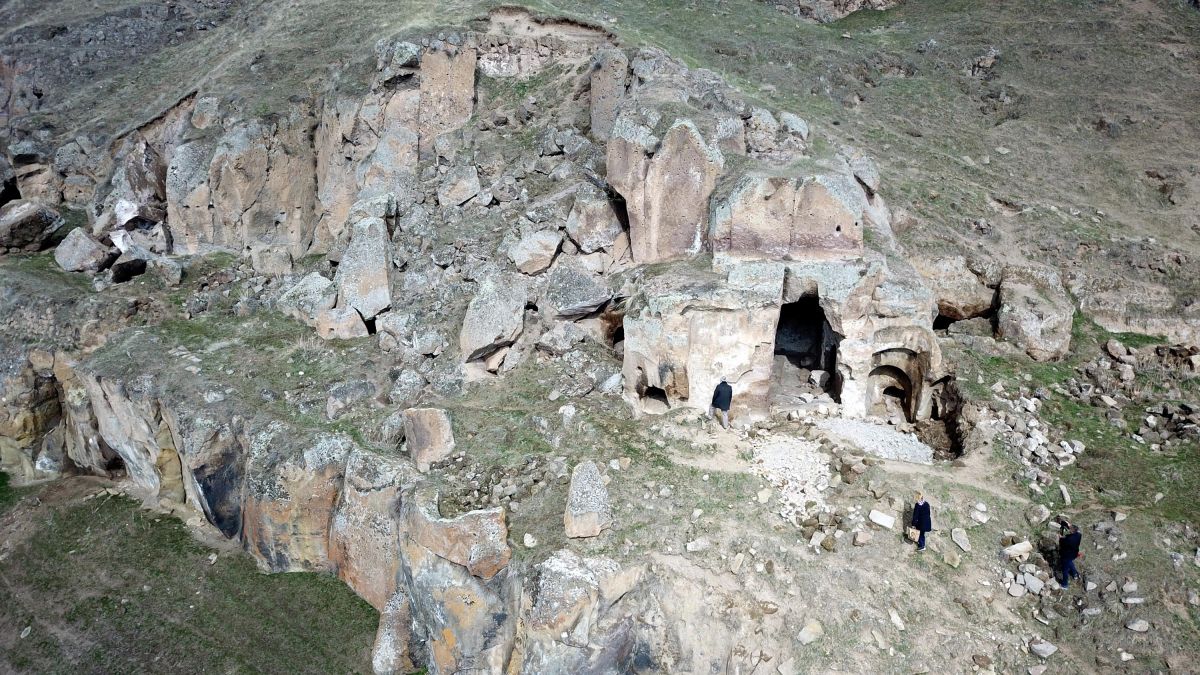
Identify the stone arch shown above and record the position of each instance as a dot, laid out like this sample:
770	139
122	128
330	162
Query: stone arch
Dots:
902	369
891	390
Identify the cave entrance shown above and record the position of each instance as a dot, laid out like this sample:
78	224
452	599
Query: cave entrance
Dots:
654	401
891	394
805	350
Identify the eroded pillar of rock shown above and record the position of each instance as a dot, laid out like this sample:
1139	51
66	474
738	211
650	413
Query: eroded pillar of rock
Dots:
666	194
447	93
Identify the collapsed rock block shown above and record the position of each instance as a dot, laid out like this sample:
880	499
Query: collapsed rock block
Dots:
343	323
305	301
27	225
78	252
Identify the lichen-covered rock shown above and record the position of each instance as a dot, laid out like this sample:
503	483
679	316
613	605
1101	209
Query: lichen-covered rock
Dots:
429	436
78	252
588	511
494	318
535	251
459	186
308	298
666	185
340	323
465	623
292	489
477	540
390	654
573	291
364	276
27	226
1035	313
363	539
592	223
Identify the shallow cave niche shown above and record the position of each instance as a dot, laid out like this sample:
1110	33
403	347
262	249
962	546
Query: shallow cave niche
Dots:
891	394
651	400
948	316
804	342
9	191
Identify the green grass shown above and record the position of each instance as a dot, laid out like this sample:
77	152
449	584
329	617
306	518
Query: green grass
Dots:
10	495
107	587
1114	470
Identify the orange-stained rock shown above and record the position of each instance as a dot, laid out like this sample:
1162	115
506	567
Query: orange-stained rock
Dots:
363	541
447	93
467	623
428	434
290	495
477	540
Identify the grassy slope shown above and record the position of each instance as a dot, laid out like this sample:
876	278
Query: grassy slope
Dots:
118	589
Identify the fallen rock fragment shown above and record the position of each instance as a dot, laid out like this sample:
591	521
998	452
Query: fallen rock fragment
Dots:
78	252
27	226
588	510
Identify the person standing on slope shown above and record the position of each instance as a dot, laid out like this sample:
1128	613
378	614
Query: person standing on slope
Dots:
721	400
921	520
1068	551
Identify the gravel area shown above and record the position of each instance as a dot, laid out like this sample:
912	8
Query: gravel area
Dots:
798	470
878	439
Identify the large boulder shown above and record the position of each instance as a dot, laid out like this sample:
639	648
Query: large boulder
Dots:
588	511
363	277
477	540
535	251
961	293
573	291
494	318
780	218
593	224
429	436
459	186
308	298
78	252
1036	314
666	185
340	323
27	226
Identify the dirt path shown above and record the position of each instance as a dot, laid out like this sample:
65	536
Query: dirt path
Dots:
979	472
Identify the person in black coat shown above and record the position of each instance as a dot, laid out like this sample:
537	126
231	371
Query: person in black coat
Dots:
721	400
1068	551
921	520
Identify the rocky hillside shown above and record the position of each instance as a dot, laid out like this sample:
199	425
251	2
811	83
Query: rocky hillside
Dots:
433	298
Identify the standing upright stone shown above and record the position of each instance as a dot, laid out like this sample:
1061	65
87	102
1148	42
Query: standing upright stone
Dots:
666	195
588	509
429	436
447	93
363	276
610	76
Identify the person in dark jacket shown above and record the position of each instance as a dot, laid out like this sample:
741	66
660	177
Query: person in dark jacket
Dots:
921	520
721	400
1068	551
